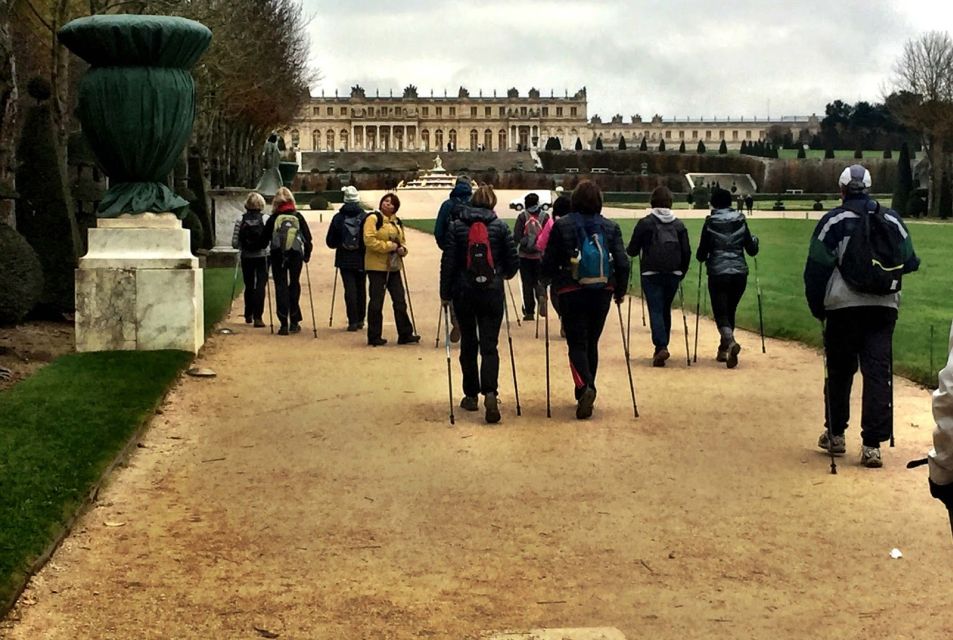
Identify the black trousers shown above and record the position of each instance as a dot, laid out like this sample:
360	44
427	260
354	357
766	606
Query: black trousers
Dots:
725	293
864	336
355	294
529	276
391	282
287	273
584	316
255	276
479	317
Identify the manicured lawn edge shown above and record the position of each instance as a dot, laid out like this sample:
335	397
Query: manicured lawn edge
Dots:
66	428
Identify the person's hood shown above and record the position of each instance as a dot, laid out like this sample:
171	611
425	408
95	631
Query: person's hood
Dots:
664	215
462	190
470	215
351	209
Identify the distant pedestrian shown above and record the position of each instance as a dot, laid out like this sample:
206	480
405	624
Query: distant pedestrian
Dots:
529	226
291	247
749	203
585	261
859	319
724	240
346	237
472	279
250	239
386	248
661	242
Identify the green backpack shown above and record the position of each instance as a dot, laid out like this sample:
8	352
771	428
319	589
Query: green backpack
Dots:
287	235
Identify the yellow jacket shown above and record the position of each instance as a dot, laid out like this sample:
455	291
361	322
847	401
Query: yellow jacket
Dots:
382	243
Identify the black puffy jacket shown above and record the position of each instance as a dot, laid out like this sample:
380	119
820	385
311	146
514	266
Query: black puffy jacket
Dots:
344	258
563	244
725	239
453	264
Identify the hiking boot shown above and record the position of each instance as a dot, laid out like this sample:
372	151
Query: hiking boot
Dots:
837	445
470	403
870	457
353	327
584	405
722	355
661	355
248	320
731	361
377	342
259	323
492	405
283	330
411	339
295	328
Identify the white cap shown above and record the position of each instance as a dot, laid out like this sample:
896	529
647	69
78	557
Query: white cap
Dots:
855	178
350	194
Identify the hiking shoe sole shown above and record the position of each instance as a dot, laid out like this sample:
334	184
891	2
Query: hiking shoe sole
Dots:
658	360
732	360
839	448
584	406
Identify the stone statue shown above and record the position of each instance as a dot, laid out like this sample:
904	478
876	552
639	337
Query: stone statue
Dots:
437	164
271	177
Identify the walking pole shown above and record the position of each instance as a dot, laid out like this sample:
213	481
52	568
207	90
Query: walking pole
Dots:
549	413
537	324
513	300
698	310
446	312
681	295
628	365
509	339
827	400
314	324
641	292
436	342
271	316
628	321
891	392
757	280
234	282
334	291
410	303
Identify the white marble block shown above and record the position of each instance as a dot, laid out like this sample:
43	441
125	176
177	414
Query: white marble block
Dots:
139	287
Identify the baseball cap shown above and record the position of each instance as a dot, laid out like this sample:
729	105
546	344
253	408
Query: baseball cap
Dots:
855	178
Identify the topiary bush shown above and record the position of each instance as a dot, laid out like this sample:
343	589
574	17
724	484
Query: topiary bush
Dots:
818	205
723	148
21	276
801	153
700	148
888	154
196	231
318	204
700	197
44	214
858	154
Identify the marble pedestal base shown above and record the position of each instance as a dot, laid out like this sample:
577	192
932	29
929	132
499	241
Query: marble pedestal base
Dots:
139	288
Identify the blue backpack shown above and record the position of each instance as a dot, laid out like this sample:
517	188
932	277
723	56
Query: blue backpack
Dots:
591	266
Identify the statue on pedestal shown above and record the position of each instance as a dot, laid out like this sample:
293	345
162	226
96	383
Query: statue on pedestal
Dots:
270	180
437	164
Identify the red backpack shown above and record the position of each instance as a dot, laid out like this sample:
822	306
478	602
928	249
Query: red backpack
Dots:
481	272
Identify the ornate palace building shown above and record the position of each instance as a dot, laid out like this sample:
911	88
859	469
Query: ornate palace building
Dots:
500	123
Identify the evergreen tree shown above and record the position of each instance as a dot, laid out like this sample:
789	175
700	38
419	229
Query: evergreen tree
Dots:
599	143
723	147
621	142
888	154
700	148
681	147
44	214
858	154
801	154
661	145
829	153
744	147
578	144
644	145
904	184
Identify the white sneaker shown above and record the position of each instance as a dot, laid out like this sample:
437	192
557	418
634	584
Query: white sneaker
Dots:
837	445
870	457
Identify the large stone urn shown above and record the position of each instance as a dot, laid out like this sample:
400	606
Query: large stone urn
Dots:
138	287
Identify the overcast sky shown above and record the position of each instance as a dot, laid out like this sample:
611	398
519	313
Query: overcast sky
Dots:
676	57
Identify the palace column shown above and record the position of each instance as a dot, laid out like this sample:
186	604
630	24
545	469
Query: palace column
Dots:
404	139
377	137
351	145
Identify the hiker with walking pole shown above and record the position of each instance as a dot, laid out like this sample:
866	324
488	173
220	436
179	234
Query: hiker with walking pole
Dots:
660	240
346	237
386	246
586	263
858	254
291	247
248	236
725	238
479	255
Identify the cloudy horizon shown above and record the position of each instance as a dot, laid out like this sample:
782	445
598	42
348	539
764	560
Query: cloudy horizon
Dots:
679	59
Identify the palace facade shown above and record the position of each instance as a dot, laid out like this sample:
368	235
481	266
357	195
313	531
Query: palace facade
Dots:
500	123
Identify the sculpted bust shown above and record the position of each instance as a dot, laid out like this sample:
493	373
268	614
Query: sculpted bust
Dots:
437	164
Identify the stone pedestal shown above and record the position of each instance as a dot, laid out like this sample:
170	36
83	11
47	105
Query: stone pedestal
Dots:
139	287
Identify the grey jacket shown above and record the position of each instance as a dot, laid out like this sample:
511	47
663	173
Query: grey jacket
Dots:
724	241
261	253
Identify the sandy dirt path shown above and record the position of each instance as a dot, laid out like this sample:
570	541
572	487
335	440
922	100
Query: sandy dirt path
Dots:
314	490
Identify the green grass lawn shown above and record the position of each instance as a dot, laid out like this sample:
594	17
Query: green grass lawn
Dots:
927	294
63	426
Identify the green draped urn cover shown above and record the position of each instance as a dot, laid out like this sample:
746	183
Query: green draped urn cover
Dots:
137	103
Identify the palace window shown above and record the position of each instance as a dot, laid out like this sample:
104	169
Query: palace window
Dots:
734	135
343	111
668	135
708	135
545	112
748	134
559	112
694	135
330	111
721	135
425	111
295	138
502	112
439	113
487	139
523	111
681	135
572	111
488	111
473	112
316	111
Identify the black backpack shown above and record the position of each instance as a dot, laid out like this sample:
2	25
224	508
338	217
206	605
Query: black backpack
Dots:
664	253
872	261
352	232
251	232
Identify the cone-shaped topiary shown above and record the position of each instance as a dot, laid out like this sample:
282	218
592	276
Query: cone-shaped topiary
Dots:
681	147
723	148
21	276
621	143
44	214
578	144
858	154
801	153
700	149
599	143
829	153
644	145
661	145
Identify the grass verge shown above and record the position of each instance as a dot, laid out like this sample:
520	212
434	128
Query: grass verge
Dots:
62	429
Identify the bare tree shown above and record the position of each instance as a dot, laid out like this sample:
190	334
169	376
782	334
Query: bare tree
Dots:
923	100
8	113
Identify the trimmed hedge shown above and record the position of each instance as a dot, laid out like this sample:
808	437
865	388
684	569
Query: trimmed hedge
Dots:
21	276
